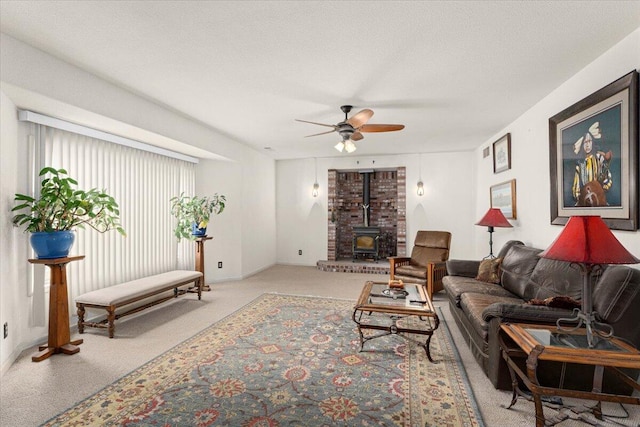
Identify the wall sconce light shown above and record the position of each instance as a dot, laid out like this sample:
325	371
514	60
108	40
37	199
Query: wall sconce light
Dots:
420	190
316	186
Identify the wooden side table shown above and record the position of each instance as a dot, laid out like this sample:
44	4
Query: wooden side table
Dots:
59	340
538	342
200	259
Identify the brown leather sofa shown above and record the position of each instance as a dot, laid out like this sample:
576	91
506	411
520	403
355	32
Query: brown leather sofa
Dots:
479	307
426	266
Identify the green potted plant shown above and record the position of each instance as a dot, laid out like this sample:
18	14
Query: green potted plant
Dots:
193	214
60	208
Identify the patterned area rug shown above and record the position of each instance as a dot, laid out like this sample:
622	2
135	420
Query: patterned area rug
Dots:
287	360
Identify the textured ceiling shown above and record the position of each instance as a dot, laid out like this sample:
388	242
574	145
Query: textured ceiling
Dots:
454	73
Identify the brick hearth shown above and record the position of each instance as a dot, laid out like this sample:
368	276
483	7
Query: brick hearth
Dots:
387	210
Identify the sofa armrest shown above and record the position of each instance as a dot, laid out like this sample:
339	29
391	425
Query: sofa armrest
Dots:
464	268
524	313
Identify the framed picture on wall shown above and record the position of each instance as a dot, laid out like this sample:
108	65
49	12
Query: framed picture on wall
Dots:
593	156
503	197
502	154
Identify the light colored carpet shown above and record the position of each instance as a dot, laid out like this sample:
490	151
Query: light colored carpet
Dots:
289	360
31	393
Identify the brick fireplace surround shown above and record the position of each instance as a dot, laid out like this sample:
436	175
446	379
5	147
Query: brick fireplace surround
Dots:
387	210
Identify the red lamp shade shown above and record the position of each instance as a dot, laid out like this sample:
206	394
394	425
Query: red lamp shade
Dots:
494	218
588	240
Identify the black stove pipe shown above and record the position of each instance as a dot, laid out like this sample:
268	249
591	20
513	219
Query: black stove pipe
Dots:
366	195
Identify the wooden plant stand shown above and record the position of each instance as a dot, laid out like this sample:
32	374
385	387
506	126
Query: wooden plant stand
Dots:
200	259
59	340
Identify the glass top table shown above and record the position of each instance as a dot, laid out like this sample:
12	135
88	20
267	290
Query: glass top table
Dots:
550	343
545	342
381	308
563	339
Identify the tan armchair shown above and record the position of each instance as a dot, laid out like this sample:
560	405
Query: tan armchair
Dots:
426	266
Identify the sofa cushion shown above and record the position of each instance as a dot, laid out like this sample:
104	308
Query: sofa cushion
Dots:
473	305
463	268
553	278
507	246
489	271
517	266
457	285
617	291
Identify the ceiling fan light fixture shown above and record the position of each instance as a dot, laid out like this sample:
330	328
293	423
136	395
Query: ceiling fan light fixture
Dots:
349	146
352	127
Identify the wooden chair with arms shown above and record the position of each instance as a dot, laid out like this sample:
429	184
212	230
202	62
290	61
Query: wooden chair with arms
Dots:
426	266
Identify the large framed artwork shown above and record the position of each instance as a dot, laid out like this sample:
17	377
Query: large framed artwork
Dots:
593	153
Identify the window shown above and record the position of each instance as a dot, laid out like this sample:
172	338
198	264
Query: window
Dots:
142	183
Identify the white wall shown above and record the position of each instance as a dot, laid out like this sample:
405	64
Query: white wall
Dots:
530	152
14	302
244	234
32	79
446	205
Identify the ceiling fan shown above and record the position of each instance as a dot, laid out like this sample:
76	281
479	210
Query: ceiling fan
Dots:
351	128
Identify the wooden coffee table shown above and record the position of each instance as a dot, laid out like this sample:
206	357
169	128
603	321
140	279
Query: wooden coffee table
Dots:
537	342
384	307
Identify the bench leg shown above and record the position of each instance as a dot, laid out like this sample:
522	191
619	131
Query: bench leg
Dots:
200	286
80	318
111	318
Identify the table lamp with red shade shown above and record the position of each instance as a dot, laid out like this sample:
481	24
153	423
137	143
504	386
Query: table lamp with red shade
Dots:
587	243
493	218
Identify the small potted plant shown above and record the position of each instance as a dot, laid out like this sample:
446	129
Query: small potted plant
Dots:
193	214
60	208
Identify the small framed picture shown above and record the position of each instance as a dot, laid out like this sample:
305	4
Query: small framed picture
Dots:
502	154
503	197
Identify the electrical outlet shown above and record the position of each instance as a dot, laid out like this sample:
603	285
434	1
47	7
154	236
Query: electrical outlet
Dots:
6	329
219	264
299	251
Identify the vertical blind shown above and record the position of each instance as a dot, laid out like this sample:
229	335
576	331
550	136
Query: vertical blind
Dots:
142	183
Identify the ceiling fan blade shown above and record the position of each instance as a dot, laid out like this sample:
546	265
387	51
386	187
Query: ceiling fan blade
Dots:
321	133
380	128
361	118
357	136
315	123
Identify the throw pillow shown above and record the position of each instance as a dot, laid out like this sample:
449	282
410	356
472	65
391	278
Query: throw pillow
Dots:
489	271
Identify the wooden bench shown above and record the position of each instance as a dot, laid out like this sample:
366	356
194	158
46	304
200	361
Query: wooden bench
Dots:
127	293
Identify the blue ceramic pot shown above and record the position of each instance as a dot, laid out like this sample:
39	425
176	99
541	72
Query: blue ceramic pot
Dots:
198	232
53	244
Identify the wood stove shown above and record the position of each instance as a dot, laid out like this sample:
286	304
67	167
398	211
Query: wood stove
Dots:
366	242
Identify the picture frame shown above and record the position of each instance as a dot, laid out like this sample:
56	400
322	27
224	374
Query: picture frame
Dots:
593	156
502	154
503	197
